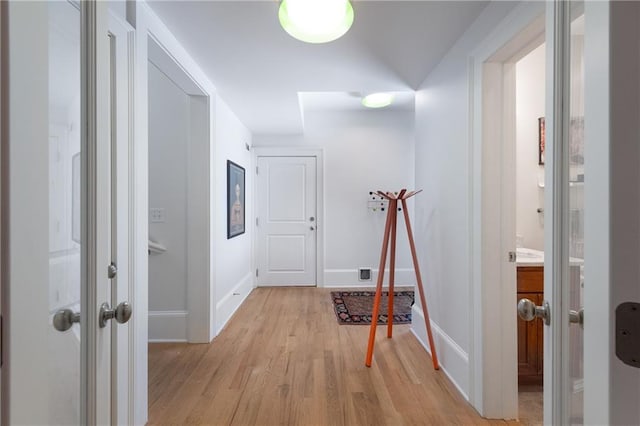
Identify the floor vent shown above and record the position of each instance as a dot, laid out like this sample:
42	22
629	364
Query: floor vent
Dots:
364	274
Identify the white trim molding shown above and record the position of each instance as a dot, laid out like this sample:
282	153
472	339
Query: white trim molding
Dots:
230	302
168	326
450	353
342	278
147	26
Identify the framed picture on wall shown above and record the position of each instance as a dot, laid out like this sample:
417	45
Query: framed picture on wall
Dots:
541	141
235	200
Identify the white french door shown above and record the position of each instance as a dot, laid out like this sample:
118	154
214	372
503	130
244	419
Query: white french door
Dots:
287	222
65	242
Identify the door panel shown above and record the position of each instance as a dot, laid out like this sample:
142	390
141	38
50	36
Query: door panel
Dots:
65	236
25	253
287	198
564	283
287	221
286	253
575	214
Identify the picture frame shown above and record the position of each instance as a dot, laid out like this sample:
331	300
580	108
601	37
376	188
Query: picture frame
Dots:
235	200
541	141
576	141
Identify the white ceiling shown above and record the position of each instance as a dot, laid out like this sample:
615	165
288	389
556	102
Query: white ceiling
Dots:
266	76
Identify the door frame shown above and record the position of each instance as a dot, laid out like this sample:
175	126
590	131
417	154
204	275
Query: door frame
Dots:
318	154
493	350
148	25
198	198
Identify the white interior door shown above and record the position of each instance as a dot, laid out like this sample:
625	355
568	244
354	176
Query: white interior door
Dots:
59	356
287	223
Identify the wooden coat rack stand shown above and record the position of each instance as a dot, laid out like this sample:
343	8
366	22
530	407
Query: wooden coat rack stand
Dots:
390	235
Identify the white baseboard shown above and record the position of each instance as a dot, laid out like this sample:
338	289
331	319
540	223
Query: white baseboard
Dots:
343	278
168	326
454	361
231	301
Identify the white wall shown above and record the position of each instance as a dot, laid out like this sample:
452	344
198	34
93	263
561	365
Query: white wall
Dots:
530	104
363	151
443	156
168	144
234	274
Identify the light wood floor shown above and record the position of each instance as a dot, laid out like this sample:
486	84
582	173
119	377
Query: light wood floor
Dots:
284	360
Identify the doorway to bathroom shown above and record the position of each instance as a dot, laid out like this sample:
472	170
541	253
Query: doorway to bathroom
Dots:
531	150
529	214
519	76
511	133
497	107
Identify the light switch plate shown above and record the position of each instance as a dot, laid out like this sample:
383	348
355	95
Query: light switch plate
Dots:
157	215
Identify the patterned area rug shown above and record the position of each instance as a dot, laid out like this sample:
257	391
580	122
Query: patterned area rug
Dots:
356	307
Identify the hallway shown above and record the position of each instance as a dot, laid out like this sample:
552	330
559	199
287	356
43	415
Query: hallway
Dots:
283	359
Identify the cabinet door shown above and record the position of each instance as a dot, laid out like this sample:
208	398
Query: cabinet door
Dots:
529	345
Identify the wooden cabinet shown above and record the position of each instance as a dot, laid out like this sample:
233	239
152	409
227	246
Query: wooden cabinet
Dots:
530	338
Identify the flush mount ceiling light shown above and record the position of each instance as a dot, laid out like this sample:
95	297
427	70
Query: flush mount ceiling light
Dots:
316	21
377	100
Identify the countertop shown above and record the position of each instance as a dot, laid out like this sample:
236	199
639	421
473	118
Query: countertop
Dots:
531	257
